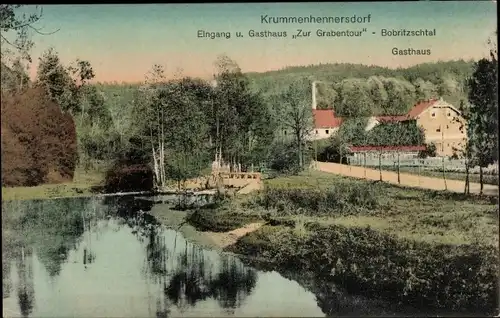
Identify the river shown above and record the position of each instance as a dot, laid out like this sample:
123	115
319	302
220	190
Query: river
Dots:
104	257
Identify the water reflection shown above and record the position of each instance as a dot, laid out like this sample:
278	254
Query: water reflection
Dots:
94	258
190	274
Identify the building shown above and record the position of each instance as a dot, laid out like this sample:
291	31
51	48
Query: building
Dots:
325	123
442	123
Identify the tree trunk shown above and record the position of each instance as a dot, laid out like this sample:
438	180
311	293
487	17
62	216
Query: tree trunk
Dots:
364	162
419	172
481	183
467	189
399	170
444	174
299	151
380	164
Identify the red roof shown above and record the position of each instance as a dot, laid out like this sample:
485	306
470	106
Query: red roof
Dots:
420	107
325	118
386	148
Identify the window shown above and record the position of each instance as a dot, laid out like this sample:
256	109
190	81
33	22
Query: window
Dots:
433	114
327	131
438	130
316	131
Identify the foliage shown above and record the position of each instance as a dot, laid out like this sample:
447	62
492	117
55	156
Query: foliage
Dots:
365	261
283	158
127	177
38	140
63	84
483	123
430	151
298	117
337	200
388	91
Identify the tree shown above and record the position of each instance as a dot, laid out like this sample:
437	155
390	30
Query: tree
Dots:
18	47
64	85
298	118
353	132
239	117
186	143
483	123
354	99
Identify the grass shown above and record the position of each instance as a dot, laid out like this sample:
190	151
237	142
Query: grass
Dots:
418	247
82	185
416	214
473	177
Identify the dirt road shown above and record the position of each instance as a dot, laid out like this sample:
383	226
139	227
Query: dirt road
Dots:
409	180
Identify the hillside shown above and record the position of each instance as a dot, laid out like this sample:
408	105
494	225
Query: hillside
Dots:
355	90
379	89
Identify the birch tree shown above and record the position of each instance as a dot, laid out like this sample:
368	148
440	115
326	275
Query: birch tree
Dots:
154	118
298	116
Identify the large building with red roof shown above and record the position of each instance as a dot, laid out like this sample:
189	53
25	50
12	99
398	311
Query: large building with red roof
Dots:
442	123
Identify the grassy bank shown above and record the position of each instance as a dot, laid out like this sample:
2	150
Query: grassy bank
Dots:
82	185
421	248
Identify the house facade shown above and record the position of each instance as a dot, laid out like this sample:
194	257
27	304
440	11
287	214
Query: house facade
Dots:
325	124
441	122
444	126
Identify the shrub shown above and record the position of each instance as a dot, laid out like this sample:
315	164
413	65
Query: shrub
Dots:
211	220
38	140
123	177
369	262
337	199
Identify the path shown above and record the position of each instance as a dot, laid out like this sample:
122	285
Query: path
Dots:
409	180
225	239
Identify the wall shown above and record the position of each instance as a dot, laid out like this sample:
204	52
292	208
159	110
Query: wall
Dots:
441	124
321	133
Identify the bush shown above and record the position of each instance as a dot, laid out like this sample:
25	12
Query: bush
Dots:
283	158
430	151
369	262
335	200
123	177
38	140
211	220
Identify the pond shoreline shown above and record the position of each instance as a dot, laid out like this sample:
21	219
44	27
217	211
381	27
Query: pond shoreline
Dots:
242	242
435	276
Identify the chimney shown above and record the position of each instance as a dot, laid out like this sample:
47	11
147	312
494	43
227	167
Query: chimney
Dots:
313	95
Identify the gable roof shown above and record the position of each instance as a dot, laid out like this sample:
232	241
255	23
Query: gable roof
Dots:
325	118
420	107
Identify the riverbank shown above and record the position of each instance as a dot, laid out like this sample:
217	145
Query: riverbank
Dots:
84	184
410	246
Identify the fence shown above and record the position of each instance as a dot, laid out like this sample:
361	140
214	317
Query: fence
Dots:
428	164
435	182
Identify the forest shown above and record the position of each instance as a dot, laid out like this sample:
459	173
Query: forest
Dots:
177	126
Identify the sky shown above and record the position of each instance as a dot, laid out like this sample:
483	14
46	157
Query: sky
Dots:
122	42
